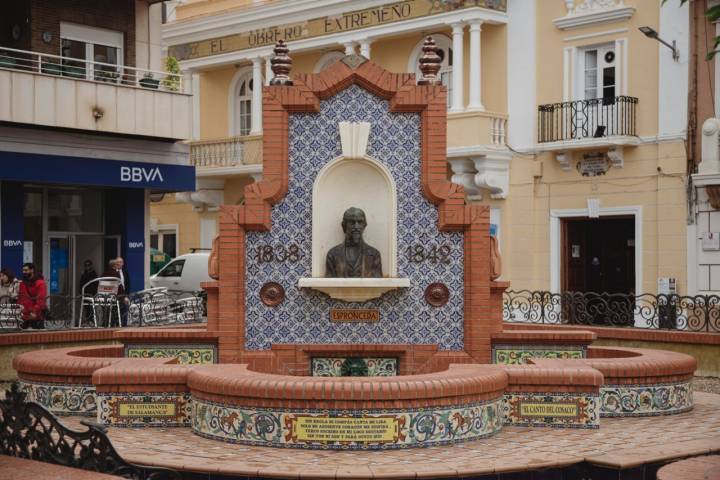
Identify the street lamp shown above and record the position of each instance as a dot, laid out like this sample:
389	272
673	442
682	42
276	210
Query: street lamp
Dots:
651	33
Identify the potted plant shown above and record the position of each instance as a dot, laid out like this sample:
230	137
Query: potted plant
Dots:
149	81
172	80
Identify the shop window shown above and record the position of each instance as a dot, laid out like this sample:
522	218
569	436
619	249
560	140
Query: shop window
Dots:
75	210
444	45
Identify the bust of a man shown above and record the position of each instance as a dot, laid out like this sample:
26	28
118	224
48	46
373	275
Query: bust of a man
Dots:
353	258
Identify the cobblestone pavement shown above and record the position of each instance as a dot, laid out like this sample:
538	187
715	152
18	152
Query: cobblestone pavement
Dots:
619	442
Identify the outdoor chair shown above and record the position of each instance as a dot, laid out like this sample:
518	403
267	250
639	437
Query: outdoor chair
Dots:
103	305
10	315
188	310
150	306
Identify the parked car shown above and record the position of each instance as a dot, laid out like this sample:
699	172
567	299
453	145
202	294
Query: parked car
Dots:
184	273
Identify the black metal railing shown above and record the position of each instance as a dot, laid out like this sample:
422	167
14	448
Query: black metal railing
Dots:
153	307
594	118
699	313
28	430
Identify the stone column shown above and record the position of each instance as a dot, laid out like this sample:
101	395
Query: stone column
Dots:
475	67
458	93
268	70
257	97
349	48
365	48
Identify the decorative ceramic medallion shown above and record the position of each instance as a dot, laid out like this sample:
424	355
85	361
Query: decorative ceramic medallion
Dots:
348	366
437	294
272	294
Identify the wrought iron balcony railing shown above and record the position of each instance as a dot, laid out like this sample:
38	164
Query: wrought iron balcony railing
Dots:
594	118
699	313
80	69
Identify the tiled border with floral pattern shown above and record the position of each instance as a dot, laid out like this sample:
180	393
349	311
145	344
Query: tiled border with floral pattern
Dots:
414	427
586	405
375	366
645	400
187	354
109	407
517	354
62	399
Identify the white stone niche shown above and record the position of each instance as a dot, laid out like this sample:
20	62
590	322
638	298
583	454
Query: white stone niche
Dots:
354	180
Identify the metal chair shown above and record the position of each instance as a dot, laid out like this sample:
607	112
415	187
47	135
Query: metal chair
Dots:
105	300
10	315
150	306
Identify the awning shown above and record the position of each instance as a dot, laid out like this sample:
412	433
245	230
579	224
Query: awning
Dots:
67	170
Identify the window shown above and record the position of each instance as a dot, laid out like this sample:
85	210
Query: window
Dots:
165	240
327	60
240	107
598	72
91	44
173	269
445	51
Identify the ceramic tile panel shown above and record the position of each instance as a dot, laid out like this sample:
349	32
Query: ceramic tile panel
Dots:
161	409
405	317
62	399
573	410
186	354
343	430
645	400
518	354
353	366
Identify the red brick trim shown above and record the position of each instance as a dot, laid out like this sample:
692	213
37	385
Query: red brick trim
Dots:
483	311
637	334
531	378
540	337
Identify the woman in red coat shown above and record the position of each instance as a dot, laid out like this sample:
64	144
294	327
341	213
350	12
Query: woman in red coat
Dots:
32	297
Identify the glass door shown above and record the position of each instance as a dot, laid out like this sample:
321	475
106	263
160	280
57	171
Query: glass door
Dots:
60	279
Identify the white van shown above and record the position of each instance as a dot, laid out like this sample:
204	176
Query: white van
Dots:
183	273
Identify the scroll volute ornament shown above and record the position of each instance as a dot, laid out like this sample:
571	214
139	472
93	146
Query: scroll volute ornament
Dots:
495	259
430	63
281	64
213	263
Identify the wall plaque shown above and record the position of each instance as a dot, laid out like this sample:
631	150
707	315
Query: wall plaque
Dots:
354	315
548	409
146	409
345	429
593	164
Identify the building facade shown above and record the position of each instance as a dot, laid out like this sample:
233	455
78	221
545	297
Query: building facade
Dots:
563	117
90	130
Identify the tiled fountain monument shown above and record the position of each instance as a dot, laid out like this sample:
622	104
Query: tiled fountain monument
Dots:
297	355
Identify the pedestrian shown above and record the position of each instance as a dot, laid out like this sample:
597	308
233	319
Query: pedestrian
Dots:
32	296
124	275
89	274
115	269
9	286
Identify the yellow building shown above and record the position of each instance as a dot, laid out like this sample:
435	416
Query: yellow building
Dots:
562	116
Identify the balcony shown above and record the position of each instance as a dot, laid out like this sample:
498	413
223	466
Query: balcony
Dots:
596	124
227	157
54	91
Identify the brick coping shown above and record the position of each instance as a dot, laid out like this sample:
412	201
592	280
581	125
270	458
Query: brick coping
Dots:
620	443
626	333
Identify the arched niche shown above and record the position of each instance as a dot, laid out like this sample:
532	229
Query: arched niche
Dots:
364	183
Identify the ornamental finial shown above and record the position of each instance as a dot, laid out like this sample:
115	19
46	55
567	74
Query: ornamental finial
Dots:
430	63
280	64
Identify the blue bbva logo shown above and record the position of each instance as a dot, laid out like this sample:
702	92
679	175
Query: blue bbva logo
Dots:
136	245
140	174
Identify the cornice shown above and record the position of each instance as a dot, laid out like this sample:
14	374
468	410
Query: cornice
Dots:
578	20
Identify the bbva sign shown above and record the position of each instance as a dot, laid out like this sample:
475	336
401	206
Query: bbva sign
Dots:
12	243
140	174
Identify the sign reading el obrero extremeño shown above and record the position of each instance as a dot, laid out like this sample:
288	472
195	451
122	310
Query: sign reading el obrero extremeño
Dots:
316	27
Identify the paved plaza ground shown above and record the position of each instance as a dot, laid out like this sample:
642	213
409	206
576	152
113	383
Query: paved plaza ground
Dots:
619	443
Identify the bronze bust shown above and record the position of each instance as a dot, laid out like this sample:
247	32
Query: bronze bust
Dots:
353	258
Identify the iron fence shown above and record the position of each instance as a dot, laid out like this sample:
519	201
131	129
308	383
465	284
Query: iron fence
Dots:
699	313
152	307
594	118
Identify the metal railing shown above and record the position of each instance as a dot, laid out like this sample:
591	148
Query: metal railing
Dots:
594	118
76	68
699	313
152	307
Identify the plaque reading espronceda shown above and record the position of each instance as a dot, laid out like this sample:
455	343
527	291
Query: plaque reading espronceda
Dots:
354	315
